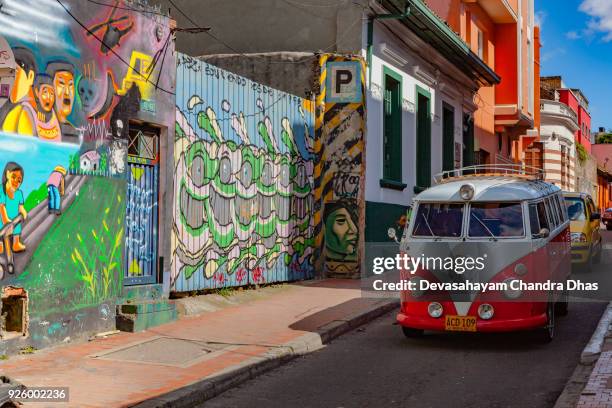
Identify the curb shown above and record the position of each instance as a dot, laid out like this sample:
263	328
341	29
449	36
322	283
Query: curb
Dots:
206	389
590	354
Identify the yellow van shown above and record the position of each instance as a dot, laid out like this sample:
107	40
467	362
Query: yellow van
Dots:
584	227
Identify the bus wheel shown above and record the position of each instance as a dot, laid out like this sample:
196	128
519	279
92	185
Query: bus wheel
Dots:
549	329
411	333
562	304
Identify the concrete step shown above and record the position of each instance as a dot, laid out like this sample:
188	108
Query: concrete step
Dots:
141	315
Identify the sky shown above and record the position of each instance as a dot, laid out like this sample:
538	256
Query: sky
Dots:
576	40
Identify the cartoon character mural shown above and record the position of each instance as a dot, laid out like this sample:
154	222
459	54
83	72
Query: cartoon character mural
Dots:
12	210
243	189
63	125
56	189
19	116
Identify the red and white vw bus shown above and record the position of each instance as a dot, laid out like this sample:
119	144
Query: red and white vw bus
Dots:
513	226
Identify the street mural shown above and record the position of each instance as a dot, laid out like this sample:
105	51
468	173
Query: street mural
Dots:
339	202
72	75
243	194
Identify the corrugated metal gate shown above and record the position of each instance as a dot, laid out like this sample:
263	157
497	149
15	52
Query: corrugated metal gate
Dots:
142	207
243	181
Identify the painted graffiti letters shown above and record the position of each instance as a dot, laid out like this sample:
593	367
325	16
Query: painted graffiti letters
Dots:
346	185
243	196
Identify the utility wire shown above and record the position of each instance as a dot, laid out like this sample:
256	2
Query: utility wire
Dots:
144	11
196	25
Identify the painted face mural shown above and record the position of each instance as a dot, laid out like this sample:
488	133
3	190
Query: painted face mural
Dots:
46	97
243	208
341	230
63	81
90	94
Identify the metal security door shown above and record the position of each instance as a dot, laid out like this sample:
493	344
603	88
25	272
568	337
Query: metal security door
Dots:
142	206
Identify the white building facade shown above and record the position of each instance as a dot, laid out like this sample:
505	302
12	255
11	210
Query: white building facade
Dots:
557	128
420	107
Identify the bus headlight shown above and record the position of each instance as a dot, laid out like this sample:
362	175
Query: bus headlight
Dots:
509	292
435	309
485	311
466	192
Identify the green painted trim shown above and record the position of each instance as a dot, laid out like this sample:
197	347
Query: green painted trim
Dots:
424	92
381	216
395	167
393	74
392	184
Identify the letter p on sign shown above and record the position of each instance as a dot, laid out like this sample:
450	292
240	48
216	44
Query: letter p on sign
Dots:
343	82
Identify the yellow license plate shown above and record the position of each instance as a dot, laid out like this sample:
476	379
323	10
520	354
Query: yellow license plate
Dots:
460	323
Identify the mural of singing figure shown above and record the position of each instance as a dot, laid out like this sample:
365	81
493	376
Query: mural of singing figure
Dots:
341	230
11	204
46	121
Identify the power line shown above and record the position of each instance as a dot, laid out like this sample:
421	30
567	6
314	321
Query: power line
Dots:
258	56
111	49
144	11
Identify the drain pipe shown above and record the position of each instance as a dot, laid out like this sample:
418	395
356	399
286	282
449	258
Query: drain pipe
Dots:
371	19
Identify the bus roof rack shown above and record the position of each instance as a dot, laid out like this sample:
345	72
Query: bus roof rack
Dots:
491	170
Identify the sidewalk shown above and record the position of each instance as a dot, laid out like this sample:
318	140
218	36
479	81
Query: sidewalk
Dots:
597	392
207	353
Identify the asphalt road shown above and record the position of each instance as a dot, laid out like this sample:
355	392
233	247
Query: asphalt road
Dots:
376	366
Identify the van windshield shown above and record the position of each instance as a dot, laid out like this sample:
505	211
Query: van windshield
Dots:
575	208
438	220
496	220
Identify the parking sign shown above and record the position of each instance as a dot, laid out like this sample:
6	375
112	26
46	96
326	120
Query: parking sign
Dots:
343	82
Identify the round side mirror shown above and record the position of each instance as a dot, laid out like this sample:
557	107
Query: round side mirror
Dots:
544	233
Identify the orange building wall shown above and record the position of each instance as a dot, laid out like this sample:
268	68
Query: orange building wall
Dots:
505	39
501	54
524	47
536	79
449	11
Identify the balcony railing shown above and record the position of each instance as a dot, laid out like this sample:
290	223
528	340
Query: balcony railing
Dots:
558	108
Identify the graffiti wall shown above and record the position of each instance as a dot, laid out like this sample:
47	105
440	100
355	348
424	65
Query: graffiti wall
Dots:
243	194
73	74
339	210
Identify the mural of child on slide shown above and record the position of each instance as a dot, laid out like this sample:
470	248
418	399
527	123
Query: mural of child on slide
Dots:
12	211
55	187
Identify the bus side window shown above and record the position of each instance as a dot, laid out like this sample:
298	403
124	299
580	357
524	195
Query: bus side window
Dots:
554	218
533	219
542	216
557	209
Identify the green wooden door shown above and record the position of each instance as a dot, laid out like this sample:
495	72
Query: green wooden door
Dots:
392	167
448	138
468	141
